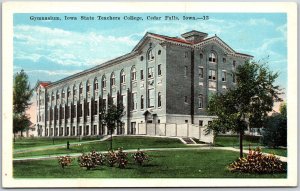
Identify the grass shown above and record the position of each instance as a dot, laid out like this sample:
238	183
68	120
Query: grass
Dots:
166	164
233	141
22	143
126	142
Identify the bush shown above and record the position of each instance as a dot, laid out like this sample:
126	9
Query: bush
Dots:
111	158
258	163
121	158
91	160
140	157
275	131
64	161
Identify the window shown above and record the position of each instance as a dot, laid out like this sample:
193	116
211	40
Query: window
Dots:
212	75
212	57
200	72
104	104
57	96
88	87
52	97
150	55
80	89
95	109
142	102
142	58
158	121
185	71
151	97
150	72
224	60
96	85
234	64
142	75
122	77
233	78
134	101
201	56
200	101
159	99
103	82
87	108
69	93
67	112
185	54
201	123
185	99
186	121
62	116
74	91
223	76
63	94
133	74
159	69
80	110
159	52
113	79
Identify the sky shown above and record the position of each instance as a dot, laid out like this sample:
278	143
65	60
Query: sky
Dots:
52	50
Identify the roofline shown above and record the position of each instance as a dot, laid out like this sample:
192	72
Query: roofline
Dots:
100	66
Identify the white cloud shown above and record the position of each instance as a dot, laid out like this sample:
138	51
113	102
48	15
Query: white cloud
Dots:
262	21
54	73
282	29
67	47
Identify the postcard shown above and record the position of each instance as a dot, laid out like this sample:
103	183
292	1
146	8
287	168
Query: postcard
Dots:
149	94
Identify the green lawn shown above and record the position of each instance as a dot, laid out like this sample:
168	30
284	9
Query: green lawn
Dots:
22	143
164	164
253	142
126	142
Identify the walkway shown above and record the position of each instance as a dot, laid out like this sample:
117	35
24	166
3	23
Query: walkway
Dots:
284	159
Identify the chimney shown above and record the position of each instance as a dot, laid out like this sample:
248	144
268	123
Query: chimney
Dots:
194	36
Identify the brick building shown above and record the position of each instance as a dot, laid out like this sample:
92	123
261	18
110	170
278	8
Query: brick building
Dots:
163	80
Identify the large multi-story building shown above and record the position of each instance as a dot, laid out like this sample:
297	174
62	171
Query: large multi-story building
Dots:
163	80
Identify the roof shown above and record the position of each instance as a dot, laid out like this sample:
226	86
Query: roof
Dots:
174	39
42	83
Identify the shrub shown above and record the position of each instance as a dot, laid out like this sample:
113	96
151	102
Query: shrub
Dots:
111	158
140	157
64	161
121	158
91	160
256	162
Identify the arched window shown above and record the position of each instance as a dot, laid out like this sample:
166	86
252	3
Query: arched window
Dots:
200	106
113	79
63	94
88	87
104	82
142	102
80	89
122	77
75	91
159	99
69	92
150	55
52	97
96	84
212	57
133	73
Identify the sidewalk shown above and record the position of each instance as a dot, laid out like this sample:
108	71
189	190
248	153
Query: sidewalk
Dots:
45	157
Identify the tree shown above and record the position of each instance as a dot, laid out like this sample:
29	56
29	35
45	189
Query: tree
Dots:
275	129
112	118
247	104
21	101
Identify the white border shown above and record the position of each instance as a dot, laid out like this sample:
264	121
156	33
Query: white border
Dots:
136	7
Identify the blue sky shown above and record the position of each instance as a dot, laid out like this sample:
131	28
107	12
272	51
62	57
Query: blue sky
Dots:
51	50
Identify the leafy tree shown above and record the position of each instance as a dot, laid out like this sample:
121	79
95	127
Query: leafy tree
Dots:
247	104
275	129
21	101
112	118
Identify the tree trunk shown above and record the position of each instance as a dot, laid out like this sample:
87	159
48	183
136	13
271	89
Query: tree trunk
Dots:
241	143
111	140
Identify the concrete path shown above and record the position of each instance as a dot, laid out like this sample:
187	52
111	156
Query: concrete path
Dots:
284	159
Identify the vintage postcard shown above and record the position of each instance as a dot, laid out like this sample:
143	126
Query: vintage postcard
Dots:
176	94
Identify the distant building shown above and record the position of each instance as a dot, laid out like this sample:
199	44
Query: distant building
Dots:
163	80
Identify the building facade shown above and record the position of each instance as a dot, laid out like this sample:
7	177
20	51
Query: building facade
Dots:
163	80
